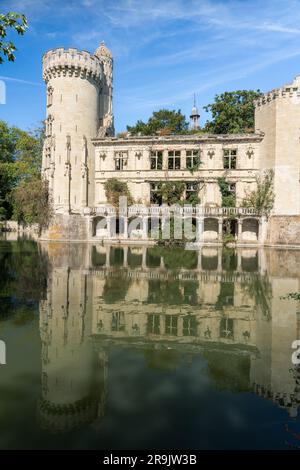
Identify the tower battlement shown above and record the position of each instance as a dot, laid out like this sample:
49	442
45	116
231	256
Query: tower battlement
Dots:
71	62
291	90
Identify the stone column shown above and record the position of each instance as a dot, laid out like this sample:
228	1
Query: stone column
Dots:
144	258
199	265
145	228
220	229
183	160
125	253
107	257
125	222
219	261
239	261
240	230
165	159
262	230
262	261
200	229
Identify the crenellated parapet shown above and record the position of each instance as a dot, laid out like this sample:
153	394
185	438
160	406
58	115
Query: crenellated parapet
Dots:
291	90
62	62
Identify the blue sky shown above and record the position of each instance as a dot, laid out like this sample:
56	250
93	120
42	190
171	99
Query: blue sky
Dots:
164	51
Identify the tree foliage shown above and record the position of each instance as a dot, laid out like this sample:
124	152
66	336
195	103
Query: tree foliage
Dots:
262	198
20	159
161	122
114	189
232	112
171	191
228	199
10	22
31	202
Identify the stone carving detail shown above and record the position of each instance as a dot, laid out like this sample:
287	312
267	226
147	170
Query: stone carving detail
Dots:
84	170
211	152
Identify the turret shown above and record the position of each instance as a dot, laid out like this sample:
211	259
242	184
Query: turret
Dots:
79	104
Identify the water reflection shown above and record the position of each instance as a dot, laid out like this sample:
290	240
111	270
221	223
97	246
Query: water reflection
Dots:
157	336
225	304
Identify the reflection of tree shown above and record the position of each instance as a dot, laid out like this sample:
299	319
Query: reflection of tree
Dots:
229	259
23	280
229	371
226	295
115	289
259	288
162	359
173	292
175	257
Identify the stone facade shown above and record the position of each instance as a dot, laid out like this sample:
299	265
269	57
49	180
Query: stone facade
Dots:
81	154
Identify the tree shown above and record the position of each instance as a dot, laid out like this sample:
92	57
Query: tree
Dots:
228	199
262	198
20	159
232	112
171	191
162	122
10	21
114	189
31	202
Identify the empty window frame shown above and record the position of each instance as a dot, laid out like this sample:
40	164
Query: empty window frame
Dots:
171	325
156	160
192	159
174	159
191	190
153	324
120	160
229	159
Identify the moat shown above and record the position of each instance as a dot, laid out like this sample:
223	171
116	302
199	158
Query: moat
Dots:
132	347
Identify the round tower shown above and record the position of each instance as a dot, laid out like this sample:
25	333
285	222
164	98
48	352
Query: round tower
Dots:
75	81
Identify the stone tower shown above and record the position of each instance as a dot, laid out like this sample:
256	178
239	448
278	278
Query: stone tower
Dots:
79	107
277	115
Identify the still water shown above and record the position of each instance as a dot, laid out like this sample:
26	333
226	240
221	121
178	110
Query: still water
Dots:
152	348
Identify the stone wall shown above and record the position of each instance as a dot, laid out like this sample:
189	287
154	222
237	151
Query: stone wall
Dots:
284	230
70	227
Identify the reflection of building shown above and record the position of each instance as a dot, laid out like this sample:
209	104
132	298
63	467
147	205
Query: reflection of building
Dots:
226	306
81	154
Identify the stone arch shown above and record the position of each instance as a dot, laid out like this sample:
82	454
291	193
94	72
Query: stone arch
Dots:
135	227
100	227
250	229
210	229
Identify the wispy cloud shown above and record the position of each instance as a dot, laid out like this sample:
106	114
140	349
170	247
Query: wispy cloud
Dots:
20	80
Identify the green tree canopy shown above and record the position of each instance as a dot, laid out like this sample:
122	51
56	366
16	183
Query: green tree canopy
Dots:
263	197
20	159
31	202
232	112
10	21
161	122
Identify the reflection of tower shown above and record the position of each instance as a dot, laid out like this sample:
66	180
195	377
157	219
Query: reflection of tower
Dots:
272	373
194	125
72	386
